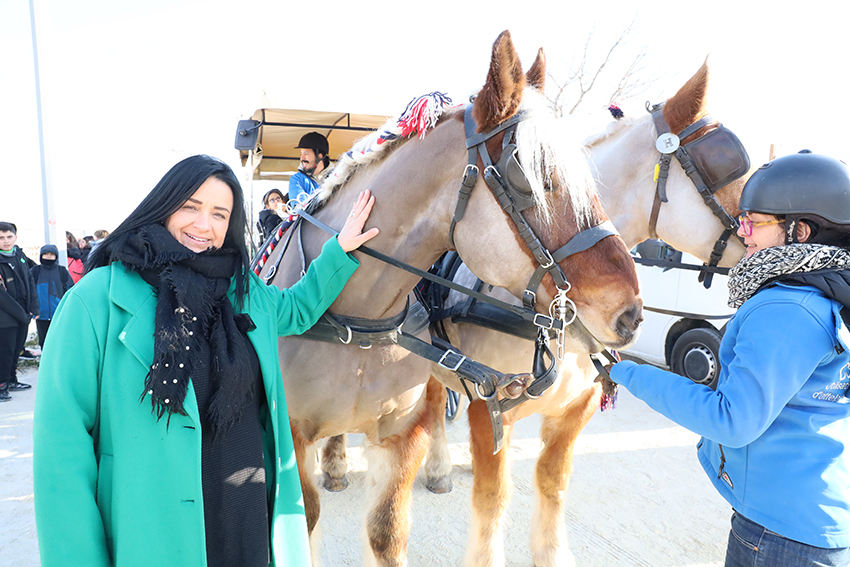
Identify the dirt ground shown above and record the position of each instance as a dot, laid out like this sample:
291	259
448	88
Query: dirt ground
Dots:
637	496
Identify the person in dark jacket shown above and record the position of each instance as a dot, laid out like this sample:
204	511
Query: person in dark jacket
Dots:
18	305
51	280
273	211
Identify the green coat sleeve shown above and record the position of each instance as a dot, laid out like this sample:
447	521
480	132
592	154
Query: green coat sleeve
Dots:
70	528
305	302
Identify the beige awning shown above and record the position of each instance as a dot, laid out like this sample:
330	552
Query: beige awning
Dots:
281	129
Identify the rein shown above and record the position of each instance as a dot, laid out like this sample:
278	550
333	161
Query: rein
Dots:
486	381
512	189
695	164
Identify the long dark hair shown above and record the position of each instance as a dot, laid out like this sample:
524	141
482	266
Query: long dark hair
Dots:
167	196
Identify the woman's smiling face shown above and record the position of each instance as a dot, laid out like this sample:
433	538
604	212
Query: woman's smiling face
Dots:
763	235
202	221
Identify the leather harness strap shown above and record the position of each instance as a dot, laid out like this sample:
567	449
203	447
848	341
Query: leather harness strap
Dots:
690	169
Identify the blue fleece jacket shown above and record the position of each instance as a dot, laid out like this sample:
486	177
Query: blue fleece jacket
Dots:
776	431
301	186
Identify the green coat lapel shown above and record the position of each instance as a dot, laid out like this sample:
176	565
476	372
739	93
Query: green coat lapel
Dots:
135	296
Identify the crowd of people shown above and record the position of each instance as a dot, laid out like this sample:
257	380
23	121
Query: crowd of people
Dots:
30	291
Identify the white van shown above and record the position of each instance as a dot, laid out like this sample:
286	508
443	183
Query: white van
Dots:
683	321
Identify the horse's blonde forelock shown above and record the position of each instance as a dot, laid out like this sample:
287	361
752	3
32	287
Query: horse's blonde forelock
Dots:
550	156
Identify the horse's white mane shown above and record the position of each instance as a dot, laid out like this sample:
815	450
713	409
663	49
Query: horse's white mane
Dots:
364	151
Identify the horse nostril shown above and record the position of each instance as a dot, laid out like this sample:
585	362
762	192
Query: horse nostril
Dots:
630	320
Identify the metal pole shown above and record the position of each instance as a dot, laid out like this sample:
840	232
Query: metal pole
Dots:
50	223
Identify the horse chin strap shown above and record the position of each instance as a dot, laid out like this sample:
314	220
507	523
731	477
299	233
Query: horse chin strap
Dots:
669	145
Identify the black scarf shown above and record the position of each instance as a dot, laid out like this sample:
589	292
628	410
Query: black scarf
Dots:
192	306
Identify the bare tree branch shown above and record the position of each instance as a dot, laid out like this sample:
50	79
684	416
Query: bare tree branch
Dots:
584	77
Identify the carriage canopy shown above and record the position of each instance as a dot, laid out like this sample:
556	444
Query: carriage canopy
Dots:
267	140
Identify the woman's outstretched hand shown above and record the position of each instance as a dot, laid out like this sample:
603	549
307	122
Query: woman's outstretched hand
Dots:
352	236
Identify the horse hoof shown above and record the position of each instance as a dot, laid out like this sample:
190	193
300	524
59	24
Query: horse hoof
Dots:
439	485
332	484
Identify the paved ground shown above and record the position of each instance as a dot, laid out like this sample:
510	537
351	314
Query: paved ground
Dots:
637	497
17	539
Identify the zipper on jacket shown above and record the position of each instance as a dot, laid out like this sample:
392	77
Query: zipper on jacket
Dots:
721	475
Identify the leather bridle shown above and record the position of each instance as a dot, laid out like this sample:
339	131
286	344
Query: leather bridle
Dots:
711	161
512	189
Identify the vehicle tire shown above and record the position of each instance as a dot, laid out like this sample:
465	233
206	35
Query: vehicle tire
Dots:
454	404
695	356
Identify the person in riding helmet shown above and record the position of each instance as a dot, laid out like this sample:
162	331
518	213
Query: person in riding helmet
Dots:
315	165
775	433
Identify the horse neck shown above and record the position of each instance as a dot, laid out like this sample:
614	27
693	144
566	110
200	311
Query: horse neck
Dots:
415	190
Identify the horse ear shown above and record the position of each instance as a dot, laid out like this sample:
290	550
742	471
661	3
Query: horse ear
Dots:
501	95
536	76
690	103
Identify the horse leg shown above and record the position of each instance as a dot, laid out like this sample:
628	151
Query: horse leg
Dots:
305	458
549	545
393	465
491	485
334	464
438	463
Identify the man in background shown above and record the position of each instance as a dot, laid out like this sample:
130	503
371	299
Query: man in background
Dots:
315	165
18	305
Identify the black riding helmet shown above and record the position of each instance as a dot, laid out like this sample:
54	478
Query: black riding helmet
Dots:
314	141
802	186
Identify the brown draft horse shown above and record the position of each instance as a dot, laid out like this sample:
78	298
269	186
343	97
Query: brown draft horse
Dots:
624	156
381	392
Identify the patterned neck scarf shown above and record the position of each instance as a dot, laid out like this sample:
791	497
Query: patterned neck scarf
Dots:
750	274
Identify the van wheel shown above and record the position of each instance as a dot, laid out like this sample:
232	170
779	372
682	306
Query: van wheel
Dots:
695	355
454	404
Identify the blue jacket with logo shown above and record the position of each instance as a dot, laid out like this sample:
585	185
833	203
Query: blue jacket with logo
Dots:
776	431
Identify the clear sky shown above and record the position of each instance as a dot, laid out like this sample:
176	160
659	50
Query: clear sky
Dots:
130	88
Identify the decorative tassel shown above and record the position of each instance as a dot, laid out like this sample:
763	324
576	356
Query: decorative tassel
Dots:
615	111
422	113
608	402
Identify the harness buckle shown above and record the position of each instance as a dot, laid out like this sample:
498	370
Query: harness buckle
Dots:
348	338
550	261
456	366
471	170
529	296
549	322
482	396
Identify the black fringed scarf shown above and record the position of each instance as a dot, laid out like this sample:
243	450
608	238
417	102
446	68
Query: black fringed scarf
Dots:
192	306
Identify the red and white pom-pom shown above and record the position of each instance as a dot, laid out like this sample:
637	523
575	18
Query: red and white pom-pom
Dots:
422	114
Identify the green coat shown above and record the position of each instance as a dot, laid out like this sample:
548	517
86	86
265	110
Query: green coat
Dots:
114	486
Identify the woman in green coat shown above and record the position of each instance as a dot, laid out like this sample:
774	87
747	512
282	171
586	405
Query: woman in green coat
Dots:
161	434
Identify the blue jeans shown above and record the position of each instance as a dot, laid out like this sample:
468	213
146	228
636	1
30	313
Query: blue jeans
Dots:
751	545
